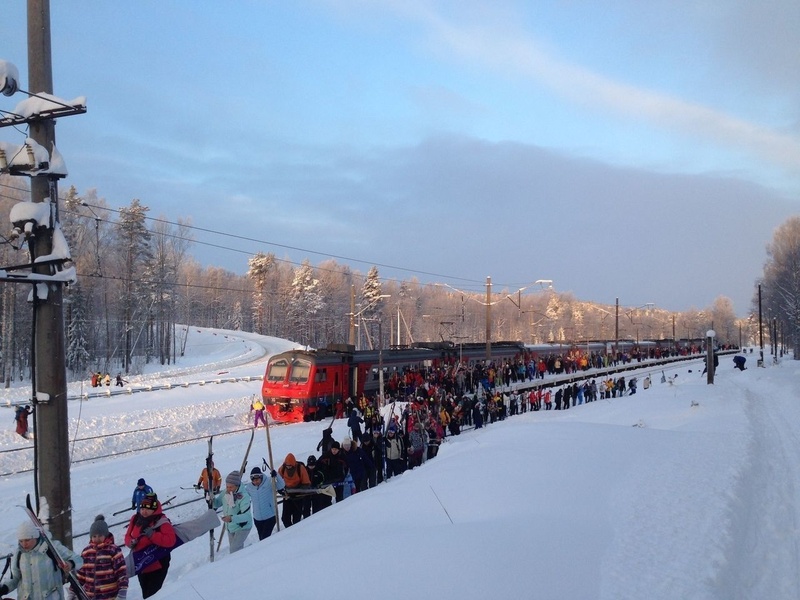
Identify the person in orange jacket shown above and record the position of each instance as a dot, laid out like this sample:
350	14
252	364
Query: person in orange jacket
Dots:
148	527
216	477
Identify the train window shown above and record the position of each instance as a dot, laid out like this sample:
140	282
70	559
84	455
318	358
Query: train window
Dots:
277	370
321	375
300	371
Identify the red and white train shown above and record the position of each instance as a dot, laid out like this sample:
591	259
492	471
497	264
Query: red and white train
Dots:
300	383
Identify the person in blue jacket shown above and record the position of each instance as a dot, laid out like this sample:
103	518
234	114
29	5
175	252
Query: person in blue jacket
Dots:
139	492
263	501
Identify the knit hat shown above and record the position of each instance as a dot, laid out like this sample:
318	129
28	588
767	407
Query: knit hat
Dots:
311	461
99	526
140	482
27	531
233	478
255	471
150	501
346	443
335	444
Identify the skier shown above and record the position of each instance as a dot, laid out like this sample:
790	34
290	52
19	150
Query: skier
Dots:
103	574
34	573
21	418
334	468
148	527
258	407
296	477
354	423
215	476
326	441
358	462
119	380
394	452
139	492
262	501
236	513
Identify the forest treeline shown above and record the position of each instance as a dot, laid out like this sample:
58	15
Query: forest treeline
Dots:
137	280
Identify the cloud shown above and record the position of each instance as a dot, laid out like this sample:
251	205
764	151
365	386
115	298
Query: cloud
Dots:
502	47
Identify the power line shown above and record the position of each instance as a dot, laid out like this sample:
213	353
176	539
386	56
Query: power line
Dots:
258	241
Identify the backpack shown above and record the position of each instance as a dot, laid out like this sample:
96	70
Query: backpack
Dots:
52	557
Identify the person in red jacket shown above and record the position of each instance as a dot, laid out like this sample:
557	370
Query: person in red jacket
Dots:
149	526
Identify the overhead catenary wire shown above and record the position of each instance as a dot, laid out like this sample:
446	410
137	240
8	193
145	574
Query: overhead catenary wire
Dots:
411	271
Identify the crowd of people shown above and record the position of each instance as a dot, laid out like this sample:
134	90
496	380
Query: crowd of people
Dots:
427	405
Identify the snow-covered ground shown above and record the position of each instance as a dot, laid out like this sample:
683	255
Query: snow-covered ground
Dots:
685	490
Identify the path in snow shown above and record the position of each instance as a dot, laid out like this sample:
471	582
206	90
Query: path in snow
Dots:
763	557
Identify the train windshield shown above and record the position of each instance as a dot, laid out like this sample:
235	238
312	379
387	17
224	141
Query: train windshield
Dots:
300	371
277	370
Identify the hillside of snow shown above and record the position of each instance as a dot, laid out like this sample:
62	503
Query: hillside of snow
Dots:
685	490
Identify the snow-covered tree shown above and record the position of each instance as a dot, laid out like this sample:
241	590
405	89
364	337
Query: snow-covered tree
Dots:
305	303
78	357
781	282
259	268
134	245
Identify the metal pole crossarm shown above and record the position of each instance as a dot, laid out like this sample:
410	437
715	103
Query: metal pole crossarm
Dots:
45	115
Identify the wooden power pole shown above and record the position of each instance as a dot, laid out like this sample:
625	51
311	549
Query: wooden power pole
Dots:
50	377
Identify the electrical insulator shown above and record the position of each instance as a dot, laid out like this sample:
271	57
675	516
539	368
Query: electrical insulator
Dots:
9	86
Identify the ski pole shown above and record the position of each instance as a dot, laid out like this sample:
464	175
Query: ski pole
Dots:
119	512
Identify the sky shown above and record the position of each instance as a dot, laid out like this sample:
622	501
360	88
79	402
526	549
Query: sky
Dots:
669	493
447	141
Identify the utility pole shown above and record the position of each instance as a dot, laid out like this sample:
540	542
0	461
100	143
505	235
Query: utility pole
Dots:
488	318
616	328
352	336
50	376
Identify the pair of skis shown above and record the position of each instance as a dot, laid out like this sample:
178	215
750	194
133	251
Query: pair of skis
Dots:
241	474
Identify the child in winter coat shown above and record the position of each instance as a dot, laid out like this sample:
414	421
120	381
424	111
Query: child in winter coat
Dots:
103	574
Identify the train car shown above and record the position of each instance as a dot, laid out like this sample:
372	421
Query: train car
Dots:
303	385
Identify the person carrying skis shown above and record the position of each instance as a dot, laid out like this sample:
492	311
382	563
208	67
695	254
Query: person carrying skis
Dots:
334	467
262	501
215	476
34	572
151	527
354	423
358	462
326	441
103	575
139	492
295	475
236	513
394	452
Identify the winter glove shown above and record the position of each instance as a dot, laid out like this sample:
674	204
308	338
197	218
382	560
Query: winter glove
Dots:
3	590
133	506
148	531
273	473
